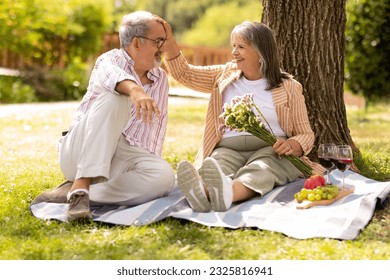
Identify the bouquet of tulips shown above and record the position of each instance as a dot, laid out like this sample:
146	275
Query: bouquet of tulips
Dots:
240	116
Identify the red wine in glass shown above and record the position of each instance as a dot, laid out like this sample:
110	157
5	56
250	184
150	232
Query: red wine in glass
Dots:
326	153
343	158
343	164
326	162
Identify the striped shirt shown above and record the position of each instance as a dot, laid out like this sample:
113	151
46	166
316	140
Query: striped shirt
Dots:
288	99
116	66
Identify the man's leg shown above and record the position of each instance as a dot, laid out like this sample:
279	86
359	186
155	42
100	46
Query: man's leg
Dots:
87	150
137	176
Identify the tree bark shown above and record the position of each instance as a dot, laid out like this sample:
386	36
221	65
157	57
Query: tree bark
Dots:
310	35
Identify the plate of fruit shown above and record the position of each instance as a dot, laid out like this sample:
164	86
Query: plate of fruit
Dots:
315	192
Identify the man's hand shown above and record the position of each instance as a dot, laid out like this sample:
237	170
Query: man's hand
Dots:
144	105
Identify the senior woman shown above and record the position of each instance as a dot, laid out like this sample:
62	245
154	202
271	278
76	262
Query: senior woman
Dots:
236	166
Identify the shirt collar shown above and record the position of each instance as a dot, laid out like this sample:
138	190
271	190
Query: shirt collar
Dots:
153	74
127	57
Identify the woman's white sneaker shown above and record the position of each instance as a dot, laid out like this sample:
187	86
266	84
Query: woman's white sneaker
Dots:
219	185
190	184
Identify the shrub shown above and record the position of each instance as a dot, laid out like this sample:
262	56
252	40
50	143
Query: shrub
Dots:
13	90
55	84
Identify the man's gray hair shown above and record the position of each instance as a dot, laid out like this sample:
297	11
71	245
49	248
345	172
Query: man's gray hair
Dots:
133	25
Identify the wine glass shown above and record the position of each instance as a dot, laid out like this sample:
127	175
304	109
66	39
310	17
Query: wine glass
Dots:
326	155
343	158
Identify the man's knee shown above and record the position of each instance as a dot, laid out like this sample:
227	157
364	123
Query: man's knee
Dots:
166	177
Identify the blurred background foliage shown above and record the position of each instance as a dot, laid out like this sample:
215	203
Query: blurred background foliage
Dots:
41	29
222	19
204	22
63	37
57	38
367	63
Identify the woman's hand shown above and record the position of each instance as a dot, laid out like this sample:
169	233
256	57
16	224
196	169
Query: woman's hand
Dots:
170	48
287	147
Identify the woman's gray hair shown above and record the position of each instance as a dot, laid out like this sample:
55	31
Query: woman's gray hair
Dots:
262	39
133	25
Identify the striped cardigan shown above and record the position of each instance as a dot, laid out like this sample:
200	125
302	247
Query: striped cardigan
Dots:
288	99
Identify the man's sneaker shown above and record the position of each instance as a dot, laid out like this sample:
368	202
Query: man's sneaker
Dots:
219	185
58	195
79	207
190	184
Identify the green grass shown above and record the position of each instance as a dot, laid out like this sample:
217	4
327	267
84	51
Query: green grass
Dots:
28	166
370	130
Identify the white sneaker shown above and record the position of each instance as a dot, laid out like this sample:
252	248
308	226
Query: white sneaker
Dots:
190	184
219	185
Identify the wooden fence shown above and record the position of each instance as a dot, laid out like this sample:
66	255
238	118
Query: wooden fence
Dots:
195	55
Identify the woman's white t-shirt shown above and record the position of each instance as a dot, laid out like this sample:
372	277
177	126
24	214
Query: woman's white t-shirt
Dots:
261	97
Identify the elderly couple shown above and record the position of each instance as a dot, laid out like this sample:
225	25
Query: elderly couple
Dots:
112	151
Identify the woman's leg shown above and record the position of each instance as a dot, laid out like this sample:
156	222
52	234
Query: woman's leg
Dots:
263	172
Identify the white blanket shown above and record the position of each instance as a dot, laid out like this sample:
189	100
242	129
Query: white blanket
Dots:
276	211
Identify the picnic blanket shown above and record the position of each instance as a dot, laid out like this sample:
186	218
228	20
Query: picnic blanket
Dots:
276	211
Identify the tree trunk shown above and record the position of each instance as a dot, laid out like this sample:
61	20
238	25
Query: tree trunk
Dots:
310	35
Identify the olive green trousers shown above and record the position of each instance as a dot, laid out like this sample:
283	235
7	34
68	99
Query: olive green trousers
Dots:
253	162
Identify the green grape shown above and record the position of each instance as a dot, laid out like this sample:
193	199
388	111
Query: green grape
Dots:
319	193
304	193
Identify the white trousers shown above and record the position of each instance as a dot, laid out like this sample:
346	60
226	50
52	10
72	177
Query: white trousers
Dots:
121	173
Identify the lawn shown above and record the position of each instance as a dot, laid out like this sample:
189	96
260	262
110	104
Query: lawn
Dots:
28	166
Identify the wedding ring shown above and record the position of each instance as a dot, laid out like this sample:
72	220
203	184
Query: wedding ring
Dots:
289	146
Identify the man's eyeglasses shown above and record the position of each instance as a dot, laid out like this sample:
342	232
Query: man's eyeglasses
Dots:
159	42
